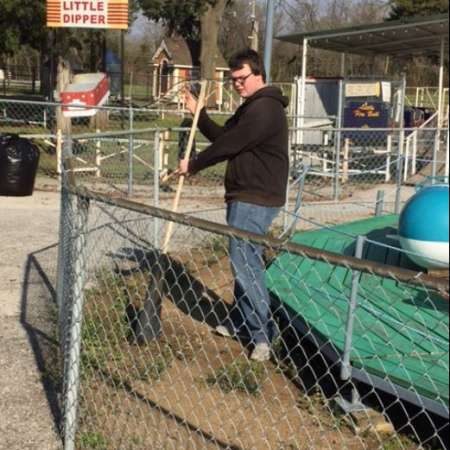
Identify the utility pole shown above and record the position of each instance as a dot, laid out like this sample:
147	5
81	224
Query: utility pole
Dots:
254	37
269	39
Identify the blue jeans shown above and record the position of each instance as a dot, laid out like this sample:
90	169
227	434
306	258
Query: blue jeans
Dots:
251	312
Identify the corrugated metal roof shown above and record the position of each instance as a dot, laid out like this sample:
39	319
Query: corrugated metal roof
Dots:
415	36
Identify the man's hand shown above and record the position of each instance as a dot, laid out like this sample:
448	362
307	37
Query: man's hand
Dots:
183	168
190	101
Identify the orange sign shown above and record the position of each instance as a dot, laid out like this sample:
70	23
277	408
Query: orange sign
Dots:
107	14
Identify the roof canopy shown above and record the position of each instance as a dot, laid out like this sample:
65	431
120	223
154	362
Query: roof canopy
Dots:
416	36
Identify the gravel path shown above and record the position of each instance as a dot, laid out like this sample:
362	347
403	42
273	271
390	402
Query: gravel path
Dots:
28	412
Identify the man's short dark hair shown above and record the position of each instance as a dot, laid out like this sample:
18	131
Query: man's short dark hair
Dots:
250	57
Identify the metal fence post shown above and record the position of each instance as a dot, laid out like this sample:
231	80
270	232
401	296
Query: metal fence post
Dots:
76	295
156	181
346	368
130	153
64	250
288	189
379	208
346	371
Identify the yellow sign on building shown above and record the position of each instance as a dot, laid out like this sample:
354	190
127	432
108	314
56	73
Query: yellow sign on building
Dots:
106	14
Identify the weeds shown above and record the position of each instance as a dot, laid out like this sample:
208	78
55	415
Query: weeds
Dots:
242	375
157	366
92	441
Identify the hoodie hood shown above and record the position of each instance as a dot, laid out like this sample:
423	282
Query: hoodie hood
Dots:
272	92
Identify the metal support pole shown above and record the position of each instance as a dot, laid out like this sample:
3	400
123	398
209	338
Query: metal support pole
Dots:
122	67
288	189
379	208
130	153
269	39
297	108
401	143
346	372
441	84
72	361
414	156
434	163
355	404
388	159
64	258
338	141
398	195
303	91
64	250
343	64
156	172
407	159
437	141
447	157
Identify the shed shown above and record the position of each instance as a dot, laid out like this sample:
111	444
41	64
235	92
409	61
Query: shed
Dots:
172	65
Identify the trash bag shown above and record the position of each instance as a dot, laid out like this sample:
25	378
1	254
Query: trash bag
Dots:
19	159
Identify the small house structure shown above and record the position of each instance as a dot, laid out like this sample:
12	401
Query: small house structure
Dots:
173	65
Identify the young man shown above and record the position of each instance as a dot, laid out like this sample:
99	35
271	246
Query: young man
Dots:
254	141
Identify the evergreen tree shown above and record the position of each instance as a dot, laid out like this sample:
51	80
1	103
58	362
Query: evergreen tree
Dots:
411	8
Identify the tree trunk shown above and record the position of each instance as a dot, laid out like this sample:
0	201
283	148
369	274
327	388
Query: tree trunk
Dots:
210	24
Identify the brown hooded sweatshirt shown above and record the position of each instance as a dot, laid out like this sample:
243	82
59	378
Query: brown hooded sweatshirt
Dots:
254	141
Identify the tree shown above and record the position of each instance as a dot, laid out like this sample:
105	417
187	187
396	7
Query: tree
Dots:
21	23
197	21
210	25
411	8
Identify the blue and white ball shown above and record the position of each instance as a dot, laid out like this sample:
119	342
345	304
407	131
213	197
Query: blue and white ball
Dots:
424	227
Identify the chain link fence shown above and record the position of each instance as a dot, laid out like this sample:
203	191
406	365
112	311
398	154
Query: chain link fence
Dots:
132	152
360	360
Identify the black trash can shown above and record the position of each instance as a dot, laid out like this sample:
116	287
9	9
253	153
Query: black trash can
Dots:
19	159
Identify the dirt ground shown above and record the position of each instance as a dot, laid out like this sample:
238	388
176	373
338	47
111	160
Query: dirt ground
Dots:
28	237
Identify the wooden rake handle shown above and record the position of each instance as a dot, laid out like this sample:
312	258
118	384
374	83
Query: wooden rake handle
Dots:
200	104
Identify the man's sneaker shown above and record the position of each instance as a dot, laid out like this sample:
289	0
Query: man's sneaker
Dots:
223	331
261	353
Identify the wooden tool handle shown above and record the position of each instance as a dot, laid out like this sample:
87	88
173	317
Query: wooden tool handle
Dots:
200	104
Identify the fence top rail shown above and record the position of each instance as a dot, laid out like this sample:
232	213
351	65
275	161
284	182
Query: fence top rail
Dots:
114	134
401	275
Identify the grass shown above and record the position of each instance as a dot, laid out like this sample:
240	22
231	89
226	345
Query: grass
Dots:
105	325
158	365
92	441
107	331
401	442
242	376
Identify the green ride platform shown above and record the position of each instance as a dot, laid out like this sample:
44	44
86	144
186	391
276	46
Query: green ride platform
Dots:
400	332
